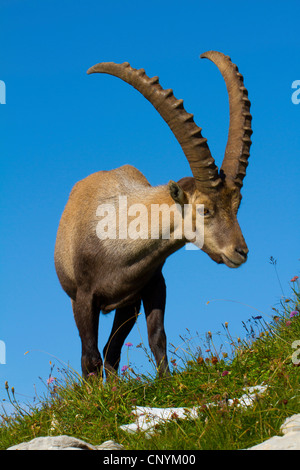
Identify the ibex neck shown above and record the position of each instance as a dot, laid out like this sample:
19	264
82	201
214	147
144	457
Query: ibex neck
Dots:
145	224
152	214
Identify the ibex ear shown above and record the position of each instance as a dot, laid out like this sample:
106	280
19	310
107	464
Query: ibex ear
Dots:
177	193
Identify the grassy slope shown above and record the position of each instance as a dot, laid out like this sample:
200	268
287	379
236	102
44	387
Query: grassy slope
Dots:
93	411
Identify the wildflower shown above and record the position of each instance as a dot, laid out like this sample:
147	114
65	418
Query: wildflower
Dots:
114	389
294	279
209	334
50	380
276	318
214	360
91	374
224	373
293	313
128	345
124	368
200	360
288	323
226	324
224	354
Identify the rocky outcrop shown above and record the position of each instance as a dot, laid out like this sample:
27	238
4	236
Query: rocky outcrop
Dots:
148	418
290	439
64	443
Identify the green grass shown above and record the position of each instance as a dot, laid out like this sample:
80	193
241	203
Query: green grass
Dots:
93	411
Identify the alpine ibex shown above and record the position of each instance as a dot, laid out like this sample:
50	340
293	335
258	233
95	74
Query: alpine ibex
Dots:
121	272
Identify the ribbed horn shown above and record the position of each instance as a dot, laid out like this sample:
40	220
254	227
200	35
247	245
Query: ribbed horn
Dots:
238	144
182	124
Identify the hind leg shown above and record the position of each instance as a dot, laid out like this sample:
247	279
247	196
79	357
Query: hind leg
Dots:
124	321
86	316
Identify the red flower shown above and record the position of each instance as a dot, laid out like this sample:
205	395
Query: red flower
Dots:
294	279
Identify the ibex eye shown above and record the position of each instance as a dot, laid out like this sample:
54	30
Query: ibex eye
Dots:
206	211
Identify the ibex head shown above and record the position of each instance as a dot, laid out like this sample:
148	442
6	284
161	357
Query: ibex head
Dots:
218	190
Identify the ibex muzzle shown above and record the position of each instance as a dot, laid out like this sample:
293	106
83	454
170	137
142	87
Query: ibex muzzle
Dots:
119	273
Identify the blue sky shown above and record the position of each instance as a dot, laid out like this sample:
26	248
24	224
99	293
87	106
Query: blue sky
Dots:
59	125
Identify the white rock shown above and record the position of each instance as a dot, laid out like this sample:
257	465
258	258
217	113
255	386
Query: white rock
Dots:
290	439
146	418
291	424
63	443
251	395
53	443
110	445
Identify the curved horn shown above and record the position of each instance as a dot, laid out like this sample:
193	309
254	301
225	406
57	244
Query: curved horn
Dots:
238	144
182	124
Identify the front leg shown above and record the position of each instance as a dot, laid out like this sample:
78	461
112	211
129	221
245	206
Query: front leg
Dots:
154	300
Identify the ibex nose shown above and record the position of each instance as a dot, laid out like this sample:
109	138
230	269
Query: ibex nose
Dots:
243	252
